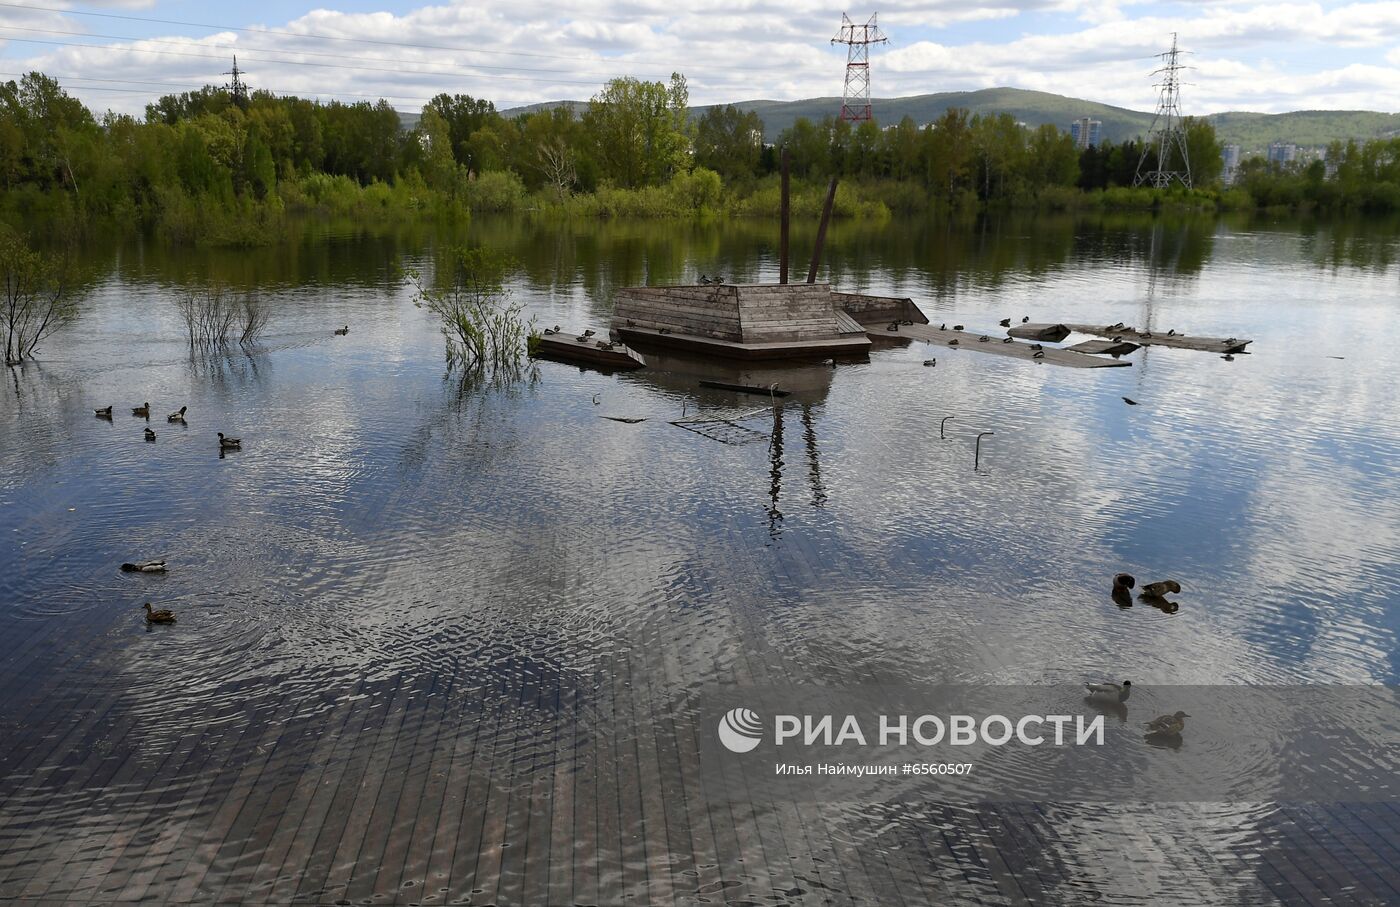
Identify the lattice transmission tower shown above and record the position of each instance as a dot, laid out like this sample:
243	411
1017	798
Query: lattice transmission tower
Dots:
855	100
236	86
1166	137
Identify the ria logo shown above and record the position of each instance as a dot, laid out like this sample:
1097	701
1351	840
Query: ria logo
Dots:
740	730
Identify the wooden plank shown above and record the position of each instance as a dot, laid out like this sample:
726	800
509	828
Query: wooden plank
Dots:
1107	347
967	340
1171	338
590	350
836	346
1049	333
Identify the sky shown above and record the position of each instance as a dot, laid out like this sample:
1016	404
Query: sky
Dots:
1269	57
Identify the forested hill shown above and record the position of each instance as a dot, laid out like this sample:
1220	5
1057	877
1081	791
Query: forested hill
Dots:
1252	131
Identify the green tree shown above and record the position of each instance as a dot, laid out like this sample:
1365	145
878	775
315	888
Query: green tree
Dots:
729	141
639	130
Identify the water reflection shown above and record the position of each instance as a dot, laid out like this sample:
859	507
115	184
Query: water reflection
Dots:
447	593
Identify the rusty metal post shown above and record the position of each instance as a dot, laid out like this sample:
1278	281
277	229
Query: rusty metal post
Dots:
977	454
821	231
783	225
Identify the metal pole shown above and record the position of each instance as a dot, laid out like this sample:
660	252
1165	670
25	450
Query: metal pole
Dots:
977	455
821	231
783	225
942	422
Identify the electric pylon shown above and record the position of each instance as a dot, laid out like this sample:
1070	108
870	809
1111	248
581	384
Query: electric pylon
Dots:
1166	136
855	100
236	86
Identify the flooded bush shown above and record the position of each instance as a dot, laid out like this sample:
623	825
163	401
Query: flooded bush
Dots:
34	302
482	326
214	317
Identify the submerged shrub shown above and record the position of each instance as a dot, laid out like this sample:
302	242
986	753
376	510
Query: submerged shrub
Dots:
482	326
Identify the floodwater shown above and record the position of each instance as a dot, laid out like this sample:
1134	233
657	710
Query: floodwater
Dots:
416	619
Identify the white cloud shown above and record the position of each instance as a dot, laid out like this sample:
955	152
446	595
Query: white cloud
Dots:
1247	55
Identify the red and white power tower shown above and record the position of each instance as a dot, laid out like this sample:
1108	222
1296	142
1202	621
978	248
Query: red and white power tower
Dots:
855	100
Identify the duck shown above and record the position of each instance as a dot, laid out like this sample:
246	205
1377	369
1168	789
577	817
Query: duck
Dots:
1160	590
145	567
161	616
1005	322
142	410
1228	357
705	280
1167	725
103	413
341	332
1007	340
893	326
1109	692
227	443
1038	354
1130	401
943	326
930	363
664	331
957	327
1025	319
1123	581
1037	346
983	339
150	433
953	342
177	417
589	332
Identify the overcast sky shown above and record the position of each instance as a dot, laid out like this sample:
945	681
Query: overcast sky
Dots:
1247	56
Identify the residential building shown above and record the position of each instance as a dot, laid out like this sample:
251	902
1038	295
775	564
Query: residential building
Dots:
1086	132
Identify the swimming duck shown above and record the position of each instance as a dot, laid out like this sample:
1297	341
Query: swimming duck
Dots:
1109	692
142	410
1158	590
1025	319
589	332
983	339
1037	346
893	326
705	280
159	617
145	567
953	342
957	327
103	413
1123	581
1005	322
1228	357
177	417
1038	354
226	443
1130	401
150	433
943	326
1007	340
341	332
930	363
1167	725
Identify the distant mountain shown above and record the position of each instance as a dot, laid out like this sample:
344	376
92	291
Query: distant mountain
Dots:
1252	131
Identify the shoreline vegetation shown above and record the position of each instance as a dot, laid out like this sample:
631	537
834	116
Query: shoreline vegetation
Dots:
210	167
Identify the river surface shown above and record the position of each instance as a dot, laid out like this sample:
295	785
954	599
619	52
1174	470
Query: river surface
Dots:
392	548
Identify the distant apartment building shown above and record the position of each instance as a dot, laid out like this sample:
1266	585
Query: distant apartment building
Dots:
1230	154
1086	132
1283	153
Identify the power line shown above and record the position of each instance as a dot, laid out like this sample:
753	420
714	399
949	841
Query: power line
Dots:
324	37
397	71
186	86
244	47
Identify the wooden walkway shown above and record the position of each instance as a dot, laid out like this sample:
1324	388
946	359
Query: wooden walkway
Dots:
987	343
1174	339
531	784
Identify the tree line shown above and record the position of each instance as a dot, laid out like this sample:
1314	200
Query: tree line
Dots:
209	155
